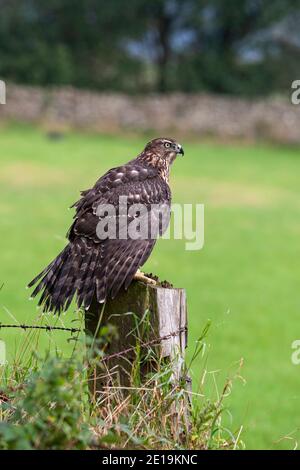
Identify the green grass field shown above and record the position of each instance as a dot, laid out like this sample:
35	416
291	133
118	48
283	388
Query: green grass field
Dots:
245	280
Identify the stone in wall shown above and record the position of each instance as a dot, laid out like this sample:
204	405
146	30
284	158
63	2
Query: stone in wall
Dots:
200	115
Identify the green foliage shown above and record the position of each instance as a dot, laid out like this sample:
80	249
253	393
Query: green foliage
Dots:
51	409
164	45
48	410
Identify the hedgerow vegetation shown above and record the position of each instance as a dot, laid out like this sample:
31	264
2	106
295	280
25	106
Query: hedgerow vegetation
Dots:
46	403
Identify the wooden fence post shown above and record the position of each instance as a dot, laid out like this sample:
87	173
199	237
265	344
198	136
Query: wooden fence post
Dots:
167	316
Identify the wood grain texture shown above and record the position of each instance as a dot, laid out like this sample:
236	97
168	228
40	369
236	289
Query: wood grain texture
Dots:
158	312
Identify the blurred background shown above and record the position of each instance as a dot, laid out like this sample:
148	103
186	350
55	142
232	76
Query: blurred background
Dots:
88	83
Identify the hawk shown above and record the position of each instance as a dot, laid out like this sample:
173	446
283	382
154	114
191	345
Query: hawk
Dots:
92	266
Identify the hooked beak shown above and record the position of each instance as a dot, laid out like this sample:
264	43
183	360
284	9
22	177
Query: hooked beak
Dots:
180	150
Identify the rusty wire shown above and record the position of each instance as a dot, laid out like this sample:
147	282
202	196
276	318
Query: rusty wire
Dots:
108	357
37	327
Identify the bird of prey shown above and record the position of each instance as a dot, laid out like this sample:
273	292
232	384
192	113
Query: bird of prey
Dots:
97	267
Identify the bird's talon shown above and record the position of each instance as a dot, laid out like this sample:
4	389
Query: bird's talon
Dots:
140	276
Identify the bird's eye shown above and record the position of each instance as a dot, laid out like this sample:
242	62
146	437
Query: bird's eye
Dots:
167	144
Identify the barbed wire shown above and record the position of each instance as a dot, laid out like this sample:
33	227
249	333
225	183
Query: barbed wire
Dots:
152	342
108	357
37	327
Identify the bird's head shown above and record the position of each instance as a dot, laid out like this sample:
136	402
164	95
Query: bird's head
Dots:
166	149
161	153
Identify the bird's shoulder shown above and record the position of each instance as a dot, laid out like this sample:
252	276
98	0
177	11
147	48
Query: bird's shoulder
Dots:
119	180
130	172
140	183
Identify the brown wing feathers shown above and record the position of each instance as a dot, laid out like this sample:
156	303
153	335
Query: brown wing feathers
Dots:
88	266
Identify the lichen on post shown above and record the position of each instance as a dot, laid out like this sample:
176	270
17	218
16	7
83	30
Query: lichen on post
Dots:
144	316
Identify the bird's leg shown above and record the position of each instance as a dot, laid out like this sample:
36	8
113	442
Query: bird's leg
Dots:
140	276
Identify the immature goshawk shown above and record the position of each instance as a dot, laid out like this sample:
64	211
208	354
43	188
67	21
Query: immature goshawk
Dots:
92	265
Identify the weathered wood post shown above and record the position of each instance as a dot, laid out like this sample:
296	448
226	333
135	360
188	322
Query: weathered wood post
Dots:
167	315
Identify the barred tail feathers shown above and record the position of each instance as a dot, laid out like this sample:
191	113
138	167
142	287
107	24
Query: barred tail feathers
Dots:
66	276
87	269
